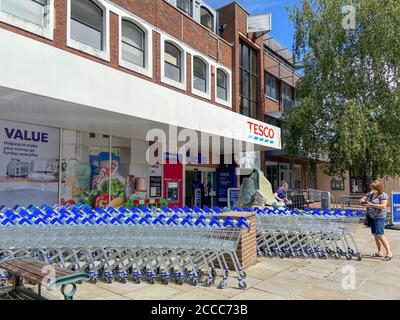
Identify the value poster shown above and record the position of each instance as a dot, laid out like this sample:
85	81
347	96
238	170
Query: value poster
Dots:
29	164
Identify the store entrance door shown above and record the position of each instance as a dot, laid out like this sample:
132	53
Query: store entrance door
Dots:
200	186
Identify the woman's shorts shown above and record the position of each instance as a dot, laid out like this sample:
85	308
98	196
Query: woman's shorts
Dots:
377	226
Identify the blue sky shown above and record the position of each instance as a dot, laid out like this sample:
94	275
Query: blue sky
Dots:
282	28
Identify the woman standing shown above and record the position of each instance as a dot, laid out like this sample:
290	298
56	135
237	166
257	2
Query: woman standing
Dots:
376	202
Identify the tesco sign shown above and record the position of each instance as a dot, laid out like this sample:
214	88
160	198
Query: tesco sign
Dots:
261	130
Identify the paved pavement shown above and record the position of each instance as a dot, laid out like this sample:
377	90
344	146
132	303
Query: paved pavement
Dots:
276	279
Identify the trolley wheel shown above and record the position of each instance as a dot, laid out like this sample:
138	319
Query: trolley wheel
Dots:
110	280
349	257
93	280
270	254
209	282
136	279
194	281
222	284
151	280
243	274
281	255
165	281
242	284
2	282
359	257
351	251
336	256
179	281
122	280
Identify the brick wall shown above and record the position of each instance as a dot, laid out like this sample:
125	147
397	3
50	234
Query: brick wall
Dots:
164	17
247	248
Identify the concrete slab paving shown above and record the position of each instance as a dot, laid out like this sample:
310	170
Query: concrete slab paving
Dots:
274	278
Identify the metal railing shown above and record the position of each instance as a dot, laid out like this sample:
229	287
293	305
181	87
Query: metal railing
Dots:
310	198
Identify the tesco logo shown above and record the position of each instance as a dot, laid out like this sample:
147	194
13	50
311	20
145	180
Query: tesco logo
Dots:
260	130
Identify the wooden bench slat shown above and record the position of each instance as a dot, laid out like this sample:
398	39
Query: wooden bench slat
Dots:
22	273
26	271
36	267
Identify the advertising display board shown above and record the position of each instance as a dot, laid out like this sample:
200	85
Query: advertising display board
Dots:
396	208
29	164
233	197
226	178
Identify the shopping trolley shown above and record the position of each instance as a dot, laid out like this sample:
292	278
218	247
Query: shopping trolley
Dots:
317	234
147	244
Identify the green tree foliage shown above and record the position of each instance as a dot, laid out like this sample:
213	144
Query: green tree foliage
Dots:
349	97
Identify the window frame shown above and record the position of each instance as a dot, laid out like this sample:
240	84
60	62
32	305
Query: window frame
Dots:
207	93
190	12
228	102
247	70
276	87
45	31
282	96
203	8
104	53
148	53
180	85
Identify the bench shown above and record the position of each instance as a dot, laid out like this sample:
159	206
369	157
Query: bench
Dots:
34	272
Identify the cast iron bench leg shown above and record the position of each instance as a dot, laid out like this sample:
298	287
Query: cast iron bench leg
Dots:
68	295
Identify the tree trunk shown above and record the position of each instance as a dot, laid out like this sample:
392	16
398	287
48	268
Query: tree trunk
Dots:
368	176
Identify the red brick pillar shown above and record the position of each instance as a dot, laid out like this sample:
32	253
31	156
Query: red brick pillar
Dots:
247	249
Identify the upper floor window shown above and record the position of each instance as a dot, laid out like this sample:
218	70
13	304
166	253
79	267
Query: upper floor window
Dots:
33	11
222	85
185	5
287	96
248	81
172	62
133	43
199	74
87	23
271	87
206	18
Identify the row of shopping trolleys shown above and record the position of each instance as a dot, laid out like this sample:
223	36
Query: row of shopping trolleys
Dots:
181	245
308	233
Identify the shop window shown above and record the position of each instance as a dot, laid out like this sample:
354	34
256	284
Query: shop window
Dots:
90	165
185	5
206	18
271	87
222	85
199	75
30	10
133	43
87	23
172	62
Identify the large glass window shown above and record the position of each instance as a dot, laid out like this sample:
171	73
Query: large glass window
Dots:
206	18
133	43
248	80
199	74
185	5
87	23
30	10
271	87
172	62
222	85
